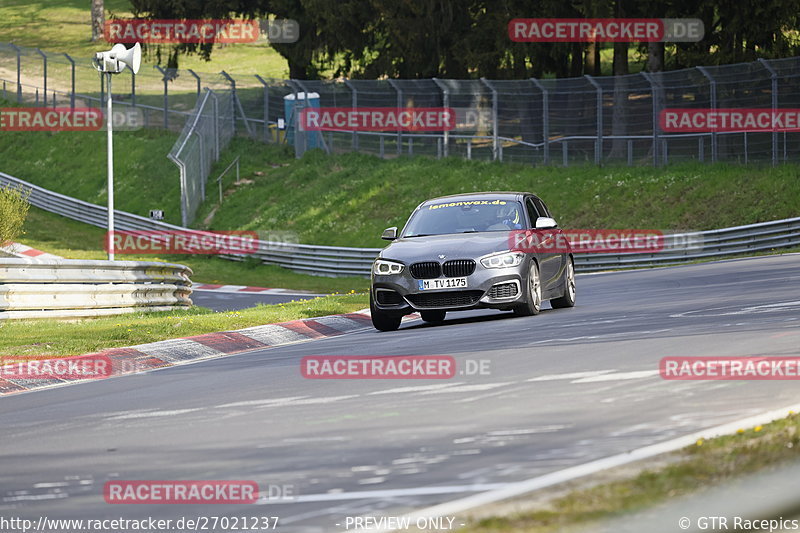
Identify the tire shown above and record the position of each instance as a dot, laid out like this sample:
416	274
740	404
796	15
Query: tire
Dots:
533	293
381	320
568	300
433	317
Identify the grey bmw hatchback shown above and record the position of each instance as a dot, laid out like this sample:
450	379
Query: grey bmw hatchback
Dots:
497	250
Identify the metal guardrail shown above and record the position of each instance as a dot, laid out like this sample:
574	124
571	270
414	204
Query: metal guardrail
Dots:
33	288
344	261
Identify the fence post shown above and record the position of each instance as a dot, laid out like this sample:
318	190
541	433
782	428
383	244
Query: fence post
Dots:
495	140
196	79
166	95
44	66
215	113
19	71
72	92
445	104
713	88
133	88
352	88
238	104
545	119
399	92
266	107
774	77
653	97
598	146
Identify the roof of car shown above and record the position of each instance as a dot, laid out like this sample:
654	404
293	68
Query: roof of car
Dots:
478	196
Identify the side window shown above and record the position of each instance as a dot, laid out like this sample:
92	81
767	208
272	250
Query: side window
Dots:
544	212
533	213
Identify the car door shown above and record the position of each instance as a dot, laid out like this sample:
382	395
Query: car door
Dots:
559	260
548	256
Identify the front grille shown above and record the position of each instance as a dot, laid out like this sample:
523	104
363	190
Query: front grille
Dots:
458	268
445	299
426	270
387	297
503	290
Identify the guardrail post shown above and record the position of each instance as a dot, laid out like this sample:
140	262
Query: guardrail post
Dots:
598	146
654	96
266	107
19	71
399	92
545	119
44	67
166	95
564	153
72	92
355	106
495	139
713	89
774	78
445	104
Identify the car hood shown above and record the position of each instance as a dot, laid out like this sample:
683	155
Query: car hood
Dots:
453	246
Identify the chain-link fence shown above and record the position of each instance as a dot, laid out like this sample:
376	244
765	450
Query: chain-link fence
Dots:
208	131
565	121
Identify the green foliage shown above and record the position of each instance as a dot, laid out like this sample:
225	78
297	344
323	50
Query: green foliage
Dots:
13	211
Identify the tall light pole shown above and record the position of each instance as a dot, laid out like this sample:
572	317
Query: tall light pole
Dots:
107	63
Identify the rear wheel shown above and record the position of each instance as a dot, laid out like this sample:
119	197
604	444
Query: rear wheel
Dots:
533	293
381	320
568	300
435	316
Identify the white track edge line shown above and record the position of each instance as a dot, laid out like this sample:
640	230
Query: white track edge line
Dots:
568	474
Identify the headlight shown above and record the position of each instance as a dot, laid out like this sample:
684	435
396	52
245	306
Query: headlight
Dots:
503	260
386	268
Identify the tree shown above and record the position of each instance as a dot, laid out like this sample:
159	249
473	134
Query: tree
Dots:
98	19
13	212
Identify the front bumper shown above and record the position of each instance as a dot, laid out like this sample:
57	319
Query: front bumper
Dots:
493	288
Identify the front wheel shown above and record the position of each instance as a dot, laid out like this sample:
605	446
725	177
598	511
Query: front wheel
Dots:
533	293
383	321
568	300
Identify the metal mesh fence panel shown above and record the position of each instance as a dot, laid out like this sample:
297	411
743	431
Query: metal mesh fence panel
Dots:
566	121
208	131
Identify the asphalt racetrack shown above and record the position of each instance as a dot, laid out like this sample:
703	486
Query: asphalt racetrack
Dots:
559	389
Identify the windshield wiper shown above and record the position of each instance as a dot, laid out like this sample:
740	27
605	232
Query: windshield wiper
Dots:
421	235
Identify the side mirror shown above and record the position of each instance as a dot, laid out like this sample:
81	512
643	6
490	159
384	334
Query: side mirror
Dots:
545	223
389	234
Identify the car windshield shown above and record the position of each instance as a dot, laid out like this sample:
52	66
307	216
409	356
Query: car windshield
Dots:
465	216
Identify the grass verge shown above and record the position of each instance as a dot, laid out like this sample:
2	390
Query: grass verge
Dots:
78	337
705	464
75	240
348	199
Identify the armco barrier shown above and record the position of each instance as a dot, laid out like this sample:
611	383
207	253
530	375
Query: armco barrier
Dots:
343	261
33	288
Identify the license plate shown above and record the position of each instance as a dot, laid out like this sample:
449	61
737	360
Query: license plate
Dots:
446	283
